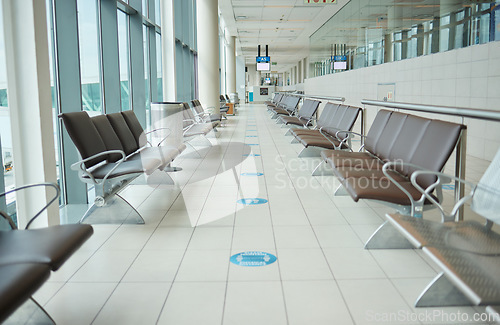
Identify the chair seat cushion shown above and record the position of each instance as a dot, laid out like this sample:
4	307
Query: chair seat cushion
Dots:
373	174
136	165
317	141
281	111
363	160
165	153
198	129
52	245
18	282
293	120
380	189
297	132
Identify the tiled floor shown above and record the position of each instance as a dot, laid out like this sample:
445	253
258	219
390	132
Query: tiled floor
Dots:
175	269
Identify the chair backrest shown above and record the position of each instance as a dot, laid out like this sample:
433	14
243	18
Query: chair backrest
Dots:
292	103
376	129
136	127
486	199
187	115
85	136
408	140
328	111
343	120
334	121
196	106
435	147
108	135
308	109
276	98
389	135
123	132
349	118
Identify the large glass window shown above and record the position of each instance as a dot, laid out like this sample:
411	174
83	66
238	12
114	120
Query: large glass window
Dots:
124	59
431	29
7	176
159	79
90	67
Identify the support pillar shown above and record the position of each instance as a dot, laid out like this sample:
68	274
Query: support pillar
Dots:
30	103
208	52
168	51
231	65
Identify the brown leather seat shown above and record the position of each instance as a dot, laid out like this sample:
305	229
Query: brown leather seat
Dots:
51	246
18	282
340	118
395	137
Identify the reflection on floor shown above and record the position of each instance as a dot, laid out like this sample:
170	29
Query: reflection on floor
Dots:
176	268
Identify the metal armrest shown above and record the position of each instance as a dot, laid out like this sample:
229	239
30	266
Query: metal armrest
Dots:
442	179
80	165
159	129
328	138
344	140
416	206
56	196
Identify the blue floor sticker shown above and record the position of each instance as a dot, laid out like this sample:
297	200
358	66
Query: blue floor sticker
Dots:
252	201
253	259
448	187
252	174
251	136
252	144
252	155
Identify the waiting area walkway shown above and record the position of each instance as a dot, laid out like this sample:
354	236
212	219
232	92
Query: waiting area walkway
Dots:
248	193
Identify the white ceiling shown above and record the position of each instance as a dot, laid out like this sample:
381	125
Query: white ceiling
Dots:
283	25
286	25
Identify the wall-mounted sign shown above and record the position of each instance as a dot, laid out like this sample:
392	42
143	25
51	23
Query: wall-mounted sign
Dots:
340	58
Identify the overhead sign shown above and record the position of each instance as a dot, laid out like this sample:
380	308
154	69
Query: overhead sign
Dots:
340	58
253	259
319	1
263	59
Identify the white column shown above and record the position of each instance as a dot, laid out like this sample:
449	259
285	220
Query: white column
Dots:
305	66
30	104
231	65
168	51
299	72
208	52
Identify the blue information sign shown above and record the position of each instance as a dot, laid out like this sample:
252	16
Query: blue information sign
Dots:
340	58
252	201
253	259
263	58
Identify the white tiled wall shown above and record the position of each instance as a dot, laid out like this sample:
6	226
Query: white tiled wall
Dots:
468	77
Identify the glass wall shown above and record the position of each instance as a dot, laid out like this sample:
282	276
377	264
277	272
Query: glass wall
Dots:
96	73
365	33
185	48
124	59
90	62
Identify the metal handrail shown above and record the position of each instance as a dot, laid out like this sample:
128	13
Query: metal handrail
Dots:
334	98
482	114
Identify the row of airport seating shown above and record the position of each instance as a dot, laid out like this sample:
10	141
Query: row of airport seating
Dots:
114	150
400	164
